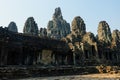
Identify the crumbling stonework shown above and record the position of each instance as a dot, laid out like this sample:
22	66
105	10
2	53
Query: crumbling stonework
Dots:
30	27
12	27
78	26
108	43
43	32
58	45
21	49
58	28
46	57
116	35
104	32
90	39
78	30
82	43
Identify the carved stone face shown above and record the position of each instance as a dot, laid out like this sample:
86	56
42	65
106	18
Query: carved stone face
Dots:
116	35
78	26
58	27
104	32
12	27
57	14
30	27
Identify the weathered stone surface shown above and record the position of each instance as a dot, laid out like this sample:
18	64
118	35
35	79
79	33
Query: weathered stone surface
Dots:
90	48
108	69
21	49
12	27
46	57
78	30
104	32
81	48
116	40
30	27
82	43
43	32
116	35
78	26
89	38
58	27
58	14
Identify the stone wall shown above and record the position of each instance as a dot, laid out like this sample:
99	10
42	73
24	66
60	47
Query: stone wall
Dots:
46	57
21	49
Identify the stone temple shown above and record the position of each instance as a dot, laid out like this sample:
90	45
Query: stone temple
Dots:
59	44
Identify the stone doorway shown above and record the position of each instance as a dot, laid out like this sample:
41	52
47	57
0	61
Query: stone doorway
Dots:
86	54
93	50
12	58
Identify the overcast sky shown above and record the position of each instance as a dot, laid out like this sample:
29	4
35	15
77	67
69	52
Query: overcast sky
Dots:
92	12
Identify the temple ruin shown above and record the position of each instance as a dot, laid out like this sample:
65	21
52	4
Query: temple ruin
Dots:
58	45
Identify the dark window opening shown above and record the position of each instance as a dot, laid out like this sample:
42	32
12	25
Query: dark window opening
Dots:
110	56
93	50
86	54
12	58
115	56
77	57
106	55
100	54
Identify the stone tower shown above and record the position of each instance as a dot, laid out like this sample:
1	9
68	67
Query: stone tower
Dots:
104	32
58	28
12	27
30	27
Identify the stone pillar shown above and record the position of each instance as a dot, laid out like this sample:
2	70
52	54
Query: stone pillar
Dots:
53	58
66	60
46	57
35	57
117	54
39	58
74	60
20	58
96	52
82	48
88	53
